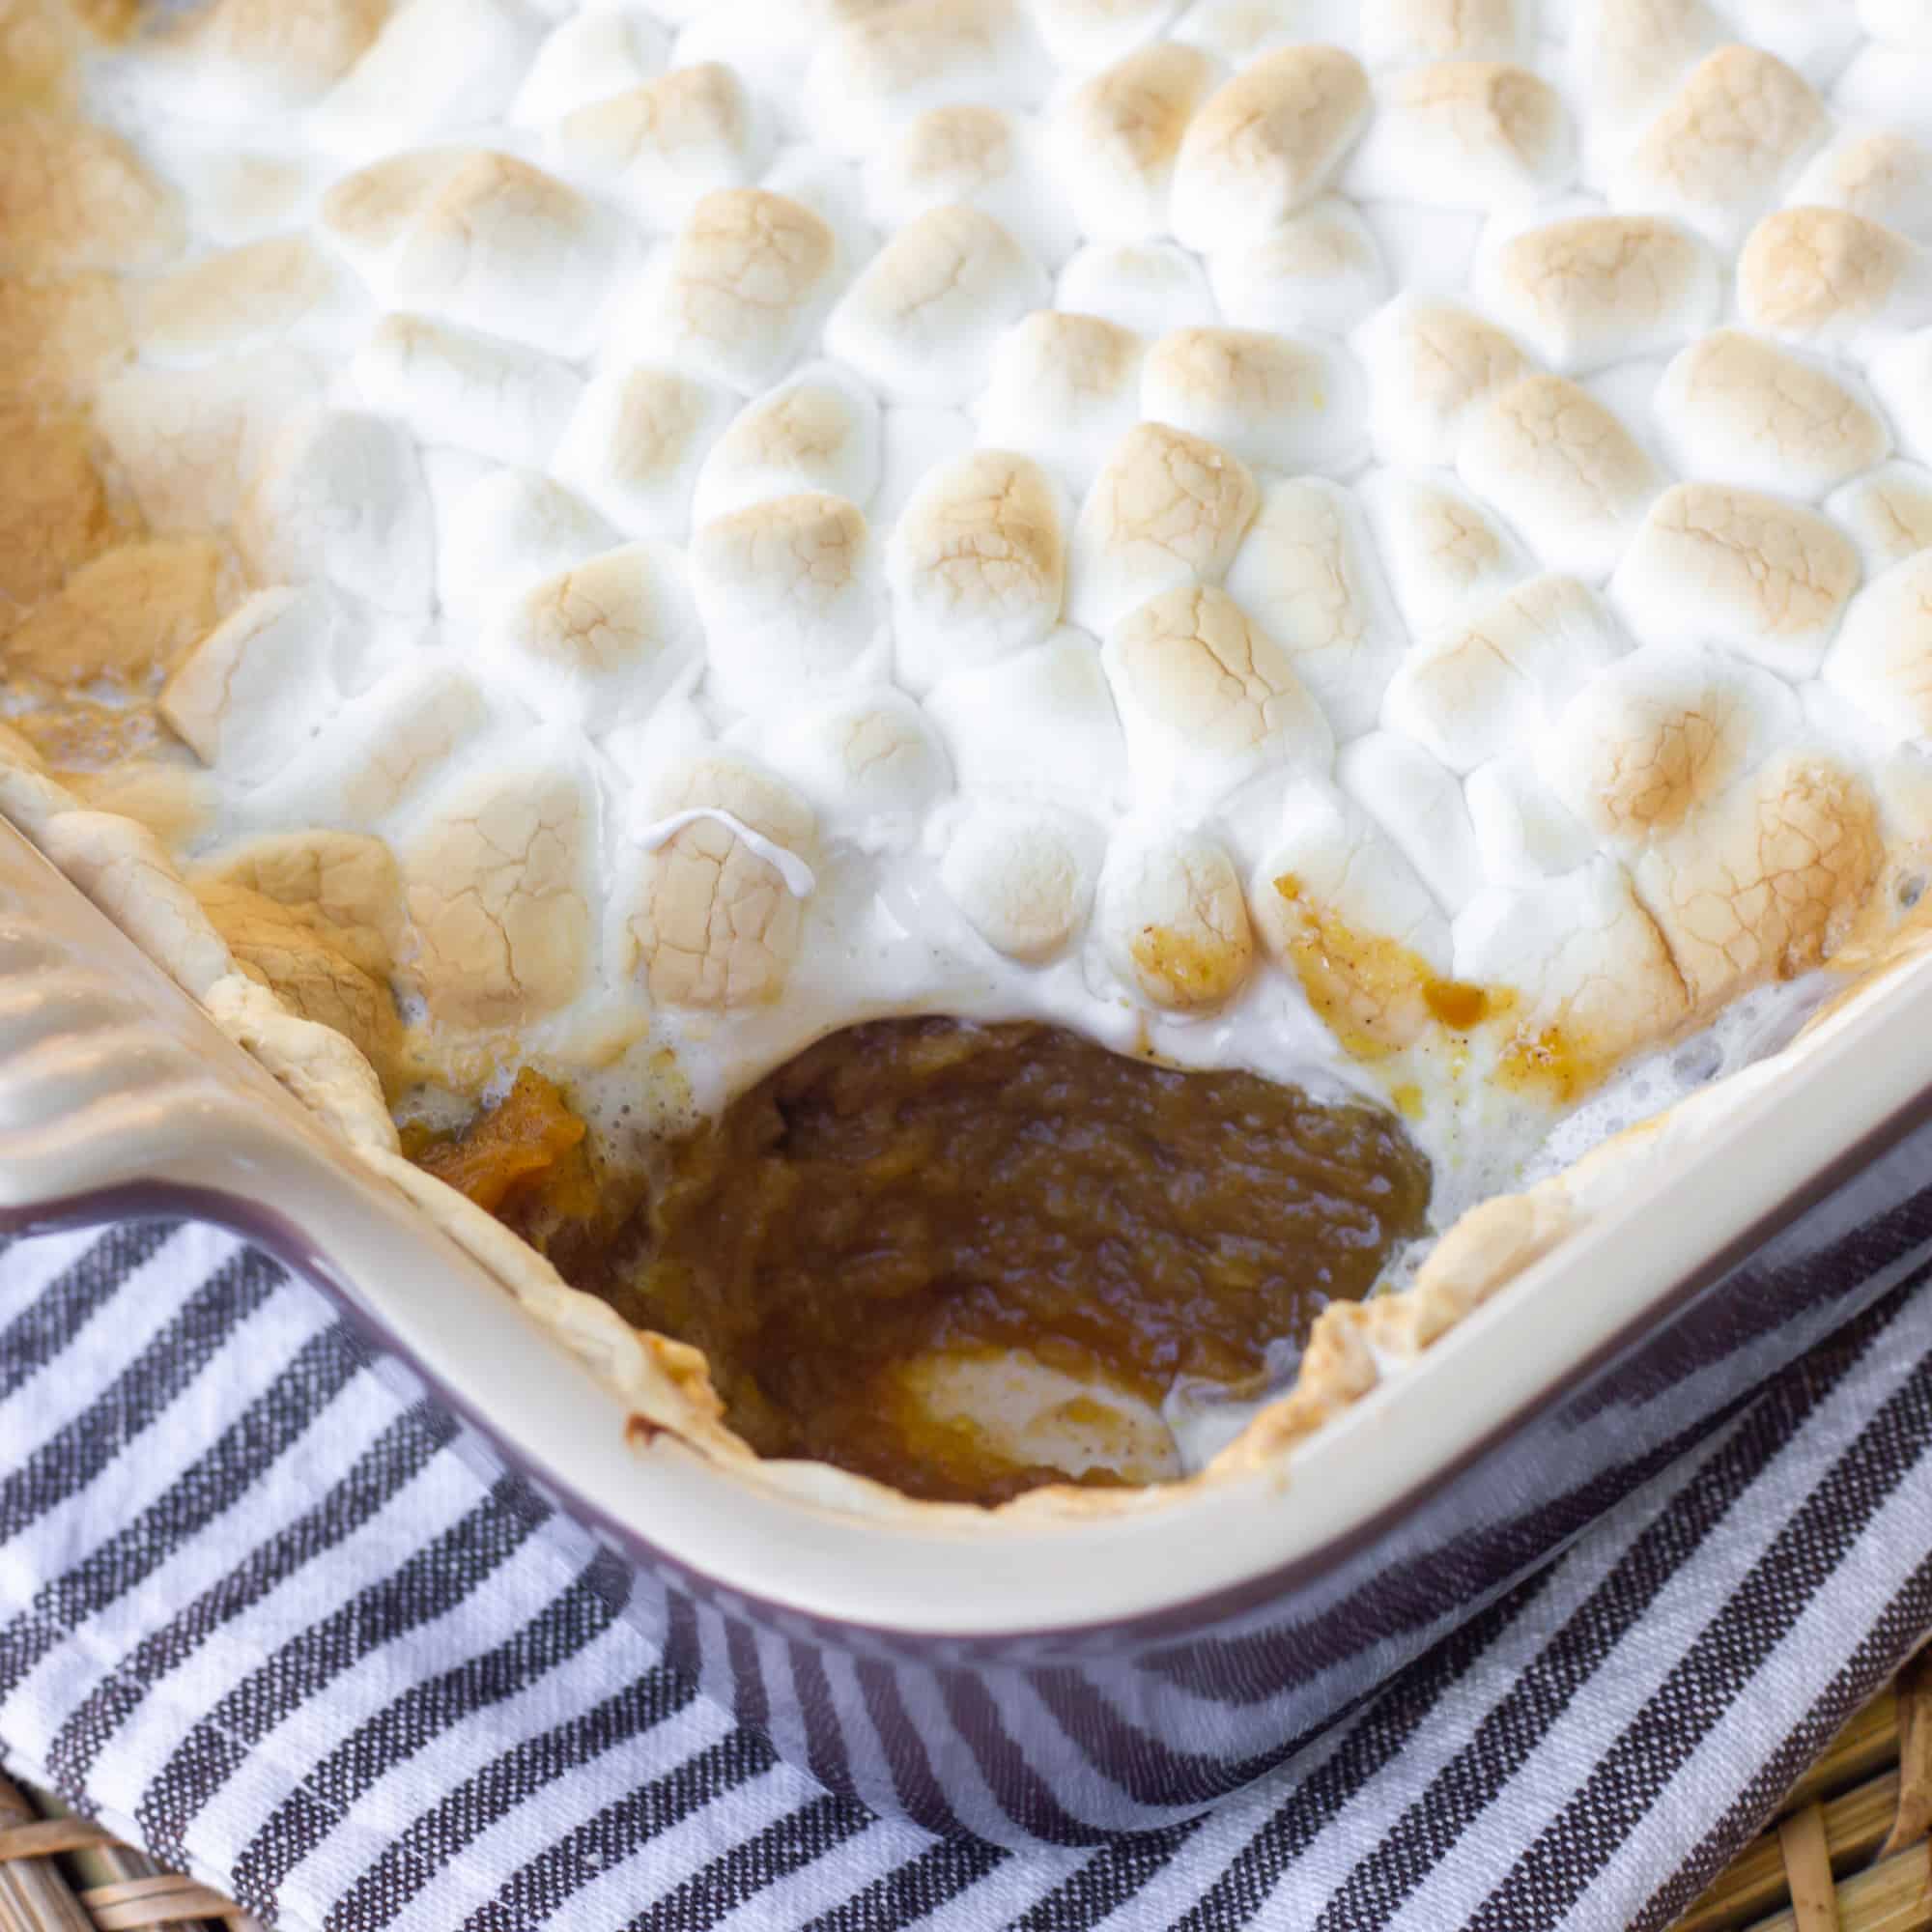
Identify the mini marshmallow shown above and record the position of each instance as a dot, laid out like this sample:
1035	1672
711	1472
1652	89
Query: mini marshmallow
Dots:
1562	468
478	392
340	497
1295	405
1023	876
912	442
1497	682
1592	974
662	146
1901	370
818	431
981	157
1402	33
1889	514
1627	57
1883	658
637	441
1172	918
1042	722
1876	88
922	317
1733	409
1765	885
1828	279
1238	31
1730	566
1466	133
1418	803
1145	287
1524	832
1063	388
283	288
1167	508
1086	34
368	213
867	760
1447	557
1602	288
792	599
254	60
601	641
1320	269
505	530
500	245
259	684
976	564
1266	143
1735	130
1308	573
1660	735
1430	365
591	56
1113	139
716	921
435	65
1815	41
748	272
1208	700
1885	177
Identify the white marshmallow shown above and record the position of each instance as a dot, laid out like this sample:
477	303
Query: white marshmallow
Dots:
1429	363
1466	133
913	442
1320	269
506	529
1145	287
1402	33
1023	875
1417	801
636	443
1063	388
1238	31
867	760
589	56
1447	557
817	431
1884	652
1086	34
980	156
1885	177
1889	514
367	213
1113	139
1524	832
1901	371
1626	58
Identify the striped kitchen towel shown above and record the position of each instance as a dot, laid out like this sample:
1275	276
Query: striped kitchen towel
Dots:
259	1611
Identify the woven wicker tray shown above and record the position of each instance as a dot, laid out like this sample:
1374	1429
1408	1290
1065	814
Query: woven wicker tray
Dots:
1849	1851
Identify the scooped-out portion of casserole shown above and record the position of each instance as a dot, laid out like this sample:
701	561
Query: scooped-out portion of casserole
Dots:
983	705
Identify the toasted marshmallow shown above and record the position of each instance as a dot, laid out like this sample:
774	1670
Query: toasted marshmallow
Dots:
272	291
1660	735
977	565
1592	974
1208	700
1173	919
1266	143
1344	911
1023	876
1602	288
506	529
1562	468
921	320
1885	177
72	196
602	50
818	431
500	245
121	617
1297	406
1063	388
1086	34
1733	409
1115	138
792	598
1889	514
1732	134
1447	557
1764	885
1900	371
1827	277
435	65
1627	57
1145	287
1754	573
1473	695
499	882
1043	721
368	213
867	760
981	157
260	681
340	497
1167	508
253	60
717	922
662	146
1403	33
1308	574
1523	831
637	443
1415	799
1429	363
61	339
451	386
879	70
600	642
1884	652
1466	133
1320	269
749	272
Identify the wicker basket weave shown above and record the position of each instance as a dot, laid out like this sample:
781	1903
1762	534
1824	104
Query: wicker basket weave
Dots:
1848	1852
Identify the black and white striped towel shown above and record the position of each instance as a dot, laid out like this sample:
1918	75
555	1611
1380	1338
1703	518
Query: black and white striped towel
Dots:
262	1614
